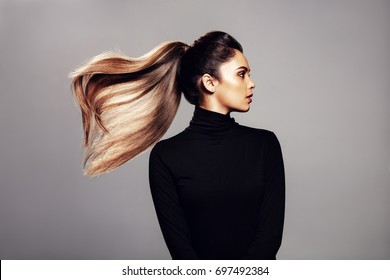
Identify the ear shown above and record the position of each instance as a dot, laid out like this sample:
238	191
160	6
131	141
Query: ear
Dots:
209	83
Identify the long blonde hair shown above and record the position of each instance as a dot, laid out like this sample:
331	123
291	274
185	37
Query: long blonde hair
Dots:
127	104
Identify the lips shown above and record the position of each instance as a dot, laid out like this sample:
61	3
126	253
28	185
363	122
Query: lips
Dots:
249	97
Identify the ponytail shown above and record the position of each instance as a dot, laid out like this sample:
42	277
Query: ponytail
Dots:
127	104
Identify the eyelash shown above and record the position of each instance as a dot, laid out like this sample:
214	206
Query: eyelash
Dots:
242	74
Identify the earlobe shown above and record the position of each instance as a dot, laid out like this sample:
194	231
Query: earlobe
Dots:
208	83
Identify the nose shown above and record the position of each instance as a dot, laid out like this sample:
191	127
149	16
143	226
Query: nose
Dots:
251	84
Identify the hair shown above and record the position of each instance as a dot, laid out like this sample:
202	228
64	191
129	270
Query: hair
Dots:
127	104
205	56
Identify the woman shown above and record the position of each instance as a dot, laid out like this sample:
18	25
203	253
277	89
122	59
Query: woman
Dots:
218	187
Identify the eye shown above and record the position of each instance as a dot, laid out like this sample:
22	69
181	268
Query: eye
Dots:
241	74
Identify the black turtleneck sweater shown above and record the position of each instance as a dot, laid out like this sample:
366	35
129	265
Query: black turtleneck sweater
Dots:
219	190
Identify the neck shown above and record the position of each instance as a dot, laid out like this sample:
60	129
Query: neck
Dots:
211	122
211	106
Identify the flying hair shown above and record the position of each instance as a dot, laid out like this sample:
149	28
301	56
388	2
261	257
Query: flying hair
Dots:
127	104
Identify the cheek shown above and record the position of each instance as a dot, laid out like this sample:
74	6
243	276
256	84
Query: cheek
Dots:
233	86
231	92
231	82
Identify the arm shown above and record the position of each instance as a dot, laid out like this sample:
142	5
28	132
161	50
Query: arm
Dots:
271	218
169	212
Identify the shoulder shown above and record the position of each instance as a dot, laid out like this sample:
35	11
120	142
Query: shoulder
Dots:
257	132
171	151
263	139
168	144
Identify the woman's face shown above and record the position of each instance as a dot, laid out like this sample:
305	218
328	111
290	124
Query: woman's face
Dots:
234	90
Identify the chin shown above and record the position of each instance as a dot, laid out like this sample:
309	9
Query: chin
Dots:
242	110
247	107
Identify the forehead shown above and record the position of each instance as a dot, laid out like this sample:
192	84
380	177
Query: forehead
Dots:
238	60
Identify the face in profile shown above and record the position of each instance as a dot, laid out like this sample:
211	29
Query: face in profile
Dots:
233	91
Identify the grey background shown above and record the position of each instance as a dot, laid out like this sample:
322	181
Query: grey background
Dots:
322	73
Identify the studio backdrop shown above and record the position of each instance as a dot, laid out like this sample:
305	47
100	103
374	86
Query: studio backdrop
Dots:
321	70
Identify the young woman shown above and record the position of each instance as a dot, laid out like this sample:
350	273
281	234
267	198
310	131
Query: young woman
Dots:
218	187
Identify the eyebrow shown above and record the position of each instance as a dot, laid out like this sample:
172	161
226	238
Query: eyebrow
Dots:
243	67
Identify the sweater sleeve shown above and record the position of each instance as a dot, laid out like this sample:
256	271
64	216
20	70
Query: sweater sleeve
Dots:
169	212
271	217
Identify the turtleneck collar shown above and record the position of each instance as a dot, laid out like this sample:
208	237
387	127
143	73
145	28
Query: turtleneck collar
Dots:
210	122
